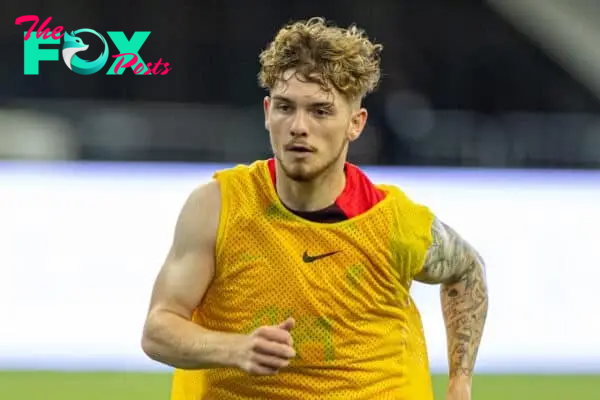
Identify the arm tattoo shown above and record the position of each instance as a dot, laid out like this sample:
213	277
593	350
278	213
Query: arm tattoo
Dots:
452	262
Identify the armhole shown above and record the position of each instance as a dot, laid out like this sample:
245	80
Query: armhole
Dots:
426	237
421	226
223	219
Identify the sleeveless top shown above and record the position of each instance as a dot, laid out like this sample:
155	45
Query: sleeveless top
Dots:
358	333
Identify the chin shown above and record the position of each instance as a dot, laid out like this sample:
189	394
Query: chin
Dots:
298	173
305	169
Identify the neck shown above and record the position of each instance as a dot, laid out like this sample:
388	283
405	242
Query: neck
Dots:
313	195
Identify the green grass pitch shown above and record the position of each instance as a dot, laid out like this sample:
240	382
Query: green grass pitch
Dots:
156	386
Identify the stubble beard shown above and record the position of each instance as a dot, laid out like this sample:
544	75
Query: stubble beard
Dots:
305	174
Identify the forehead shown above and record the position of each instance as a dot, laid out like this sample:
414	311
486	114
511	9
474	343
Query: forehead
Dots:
301	90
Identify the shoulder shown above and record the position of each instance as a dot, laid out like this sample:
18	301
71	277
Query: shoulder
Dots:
206	194
447	242
256	167
409	210
202	203
199	216
448	255
242	179
399	194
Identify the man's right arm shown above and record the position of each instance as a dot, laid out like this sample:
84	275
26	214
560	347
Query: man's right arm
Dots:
169	335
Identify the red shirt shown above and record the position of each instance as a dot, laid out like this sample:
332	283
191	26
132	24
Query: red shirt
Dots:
358	196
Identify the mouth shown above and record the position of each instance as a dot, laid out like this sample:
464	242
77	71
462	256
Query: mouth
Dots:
299	148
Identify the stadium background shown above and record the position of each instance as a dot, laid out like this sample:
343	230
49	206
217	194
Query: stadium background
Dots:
487	111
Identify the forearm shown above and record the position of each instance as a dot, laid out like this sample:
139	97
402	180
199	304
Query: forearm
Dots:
173	340
465	305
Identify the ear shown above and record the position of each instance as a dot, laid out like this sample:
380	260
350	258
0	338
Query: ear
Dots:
357	123
266	107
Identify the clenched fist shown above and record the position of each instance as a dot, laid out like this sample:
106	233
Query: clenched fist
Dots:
266	350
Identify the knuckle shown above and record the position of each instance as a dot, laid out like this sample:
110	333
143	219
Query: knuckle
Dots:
283	363
254	368
286	351
248	367
255	342
255	359
262	330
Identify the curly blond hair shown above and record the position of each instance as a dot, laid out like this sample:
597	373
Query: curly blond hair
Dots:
324	54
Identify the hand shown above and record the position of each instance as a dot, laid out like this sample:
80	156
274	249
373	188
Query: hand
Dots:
266	350
459	389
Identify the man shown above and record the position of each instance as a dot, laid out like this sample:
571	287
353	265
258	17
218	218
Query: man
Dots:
290	278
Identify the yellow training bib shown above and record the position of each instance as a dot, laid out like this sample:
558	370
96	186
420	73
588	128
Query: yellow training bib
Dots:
358	334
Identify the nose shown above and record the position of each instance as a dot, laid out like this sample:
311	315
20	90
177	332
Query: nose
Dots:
299	125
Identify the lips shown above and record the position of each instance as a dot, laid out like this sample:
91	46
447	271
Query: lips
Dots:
299	148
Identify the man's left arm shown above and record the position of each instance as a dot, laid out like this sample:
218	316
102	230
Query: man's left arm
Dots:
457	266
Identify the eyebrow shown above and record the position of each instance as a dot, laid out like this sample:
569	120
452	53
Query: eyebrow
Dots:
313	104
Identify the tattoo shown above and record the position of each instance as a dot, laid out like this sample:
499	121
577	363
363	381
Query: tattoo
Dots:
452	262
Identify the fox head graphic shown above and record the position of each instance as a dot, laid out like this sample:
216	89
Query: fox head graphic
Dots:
72	45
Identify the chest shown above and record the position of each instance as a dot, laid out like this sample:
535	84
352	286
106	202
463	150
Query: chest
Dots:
311	264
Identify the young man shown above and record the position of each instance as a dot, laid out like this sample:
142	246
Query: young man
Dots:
289	278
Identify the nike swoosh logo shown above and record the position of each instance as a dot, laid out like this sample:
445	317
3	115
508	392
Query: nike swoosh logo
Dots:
308	259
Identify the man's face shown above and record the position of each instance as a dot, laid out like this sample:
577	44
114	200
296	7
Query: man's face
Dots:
310	128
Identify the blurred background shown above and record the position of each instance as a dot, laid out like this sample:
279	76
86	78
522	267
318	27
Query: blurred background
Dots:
487	110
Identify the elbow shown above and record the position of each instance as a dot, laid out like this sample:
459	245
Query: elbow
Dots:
148	346
149	343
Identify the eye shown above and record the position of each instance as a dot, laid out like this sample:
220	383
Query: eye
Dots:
283	107
321	112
